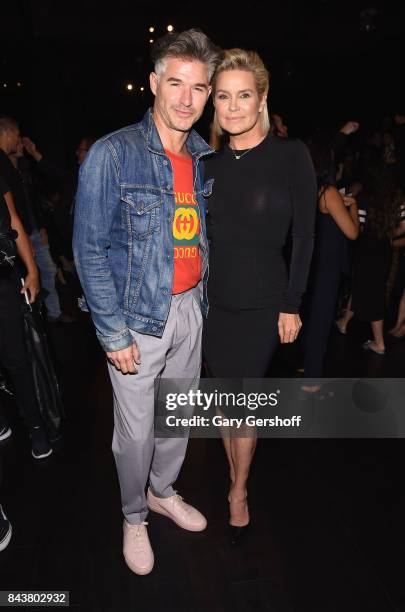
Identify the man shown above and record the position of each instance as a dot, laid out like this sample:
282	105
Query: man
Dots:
141	251
19	182
13	353
9	143
58	200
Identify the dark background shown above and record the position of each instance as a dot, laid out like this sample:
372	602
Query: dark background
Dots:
329	61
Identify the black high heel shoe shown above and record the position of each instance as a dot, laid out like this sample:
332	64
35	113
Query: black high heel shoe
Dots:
237	533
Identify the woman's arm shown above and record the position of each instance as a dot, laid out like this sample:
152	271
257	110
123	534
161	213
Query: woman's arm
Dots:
24	250
345	217
303	198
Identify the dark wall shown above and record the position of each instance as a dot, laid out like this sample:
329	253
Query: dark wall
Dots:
74	59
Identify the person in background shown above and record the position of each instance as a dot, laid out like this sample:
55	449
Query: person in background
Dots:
48	266
20	184
337	221
13	355
382	214
57	195
277	126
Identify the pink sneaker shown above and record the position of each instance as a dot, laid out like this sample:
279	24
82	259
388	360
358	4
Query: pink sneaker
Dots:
174	507
137	550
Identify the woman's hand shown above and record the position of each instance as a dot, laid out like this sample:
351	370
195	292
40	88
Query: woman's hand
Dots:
348	200
289	326
32	286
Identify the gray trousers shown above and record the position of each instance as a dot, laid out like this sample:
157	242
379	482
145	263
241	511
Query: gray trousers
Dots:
138	455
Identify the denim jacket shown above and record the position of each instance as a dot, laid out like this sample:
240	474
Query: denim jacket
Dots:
123	233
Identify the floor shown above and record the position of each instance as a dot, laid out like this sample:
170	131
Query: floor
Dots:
327	533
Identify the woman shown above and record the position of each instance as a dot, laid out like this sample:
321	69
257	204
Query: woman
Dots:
382	214
262	184
337	221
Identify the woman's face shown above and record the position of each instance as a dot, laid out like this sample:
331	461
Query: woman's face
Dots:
237	102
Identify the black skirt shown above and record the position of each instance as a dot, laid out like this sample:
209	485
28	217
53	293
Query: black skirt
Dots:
240	343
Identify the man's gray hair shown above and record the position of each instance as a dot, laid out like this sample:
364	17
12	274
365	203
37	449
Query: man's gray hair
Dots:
189	45
7	123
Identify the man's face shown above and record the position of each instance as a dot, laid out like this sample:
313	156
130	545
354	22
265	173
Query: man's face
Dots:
20	148
13	140
81	151
181	92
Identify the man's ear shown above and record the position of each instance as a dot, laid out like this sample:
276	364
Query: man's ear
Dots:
153	81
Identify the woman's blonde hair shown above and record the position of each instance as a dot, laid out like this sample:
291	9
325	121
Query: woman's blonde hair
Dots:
240	59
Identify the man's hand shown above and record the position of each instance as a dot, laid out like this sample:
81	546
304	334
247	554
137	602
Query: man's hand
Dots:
125	359
350	127
32	286
31	148
289	326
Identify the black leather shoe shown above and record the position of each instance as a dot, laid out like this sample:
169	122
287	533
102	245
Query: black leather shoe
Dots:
236	534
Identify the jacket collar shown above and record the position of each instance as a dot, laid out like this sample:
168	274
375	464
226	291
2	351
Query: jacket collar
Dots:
196	145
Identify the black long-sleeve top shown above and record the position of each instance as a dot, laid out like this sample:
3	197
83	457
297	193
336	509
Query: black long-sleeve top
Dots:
255	201
13	179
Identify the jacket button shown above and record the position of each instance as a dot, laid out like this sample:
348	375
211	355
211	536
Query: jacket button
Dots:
154	328
165	162
165	292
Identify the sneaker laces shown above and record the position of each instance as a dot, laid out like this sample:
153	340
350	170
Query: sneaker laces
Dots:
138	535
186	508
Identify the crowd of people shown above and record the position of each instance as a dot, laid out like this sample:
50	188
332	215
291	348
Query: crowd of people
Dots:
296	234
36	224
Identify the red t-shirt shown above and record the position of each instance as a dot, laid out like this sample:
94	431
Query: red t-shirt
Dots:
186	226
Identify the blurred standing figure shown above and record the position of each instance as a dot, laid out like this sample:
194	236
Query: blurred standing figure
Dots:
337	221
277	126
13	354
382	214
20	185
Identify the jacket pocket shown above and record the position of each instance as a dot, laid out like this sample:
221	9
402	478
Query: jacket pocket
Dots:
143	212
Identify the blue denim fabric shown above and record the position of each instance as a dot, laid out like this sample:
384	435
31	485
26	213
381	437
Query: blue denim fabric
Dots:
47	268
123	231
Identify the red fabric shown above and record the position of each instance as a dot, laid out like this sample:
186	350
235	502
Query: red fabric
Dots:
186	226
